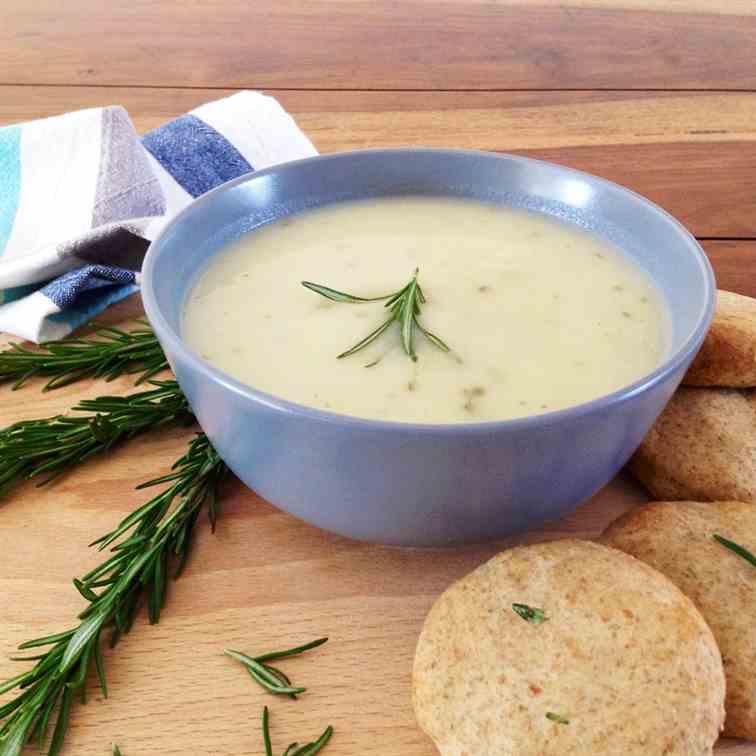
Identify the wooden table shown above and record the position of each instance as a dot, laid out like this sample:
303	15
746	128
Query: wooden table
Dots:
658	95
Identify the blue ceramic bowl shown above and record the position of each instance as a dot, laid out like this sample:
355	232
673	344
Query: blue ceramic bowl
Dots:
406	483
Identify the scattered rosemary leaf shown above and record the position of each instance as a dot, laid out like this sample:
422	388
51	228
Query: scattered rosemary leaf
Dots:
558	718
530	613
404	306
269	677
739	550
116	750
294	749
273	655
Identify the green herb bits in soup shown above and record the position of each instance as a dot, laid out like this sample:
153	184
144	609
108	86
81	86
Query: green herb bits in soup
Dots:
426	309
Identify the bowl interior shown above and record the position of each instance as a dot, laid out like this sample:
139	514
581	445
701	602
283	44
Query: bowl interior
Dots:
655	240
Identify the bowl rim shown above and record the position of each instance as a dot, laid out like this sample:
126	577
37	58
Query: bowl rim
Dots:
166	333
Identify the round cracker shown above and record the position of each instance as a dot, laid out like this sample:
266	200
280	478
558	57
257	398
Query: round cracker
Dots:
702	447
676	538
728	354
624	663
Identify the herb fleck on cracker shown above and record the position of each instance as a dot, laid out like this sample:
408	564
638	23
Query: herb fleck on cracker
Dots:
530	613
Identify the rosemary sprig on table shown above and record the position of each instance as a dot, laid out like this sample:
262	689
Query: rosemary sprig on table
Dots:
108	353
150	540
269	677
404	306
736	548
48	447
309	749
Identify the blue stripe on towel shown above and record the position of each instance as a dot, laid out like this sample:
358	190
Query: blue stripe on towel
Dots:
196	155
67	290
92	303
10	171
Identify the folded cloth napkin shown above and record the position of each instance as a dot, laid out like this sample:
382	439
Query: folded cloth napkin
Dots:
81	197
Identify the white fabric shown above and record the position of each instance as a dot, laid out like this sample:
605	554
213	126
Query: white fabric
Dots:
263	132
49	211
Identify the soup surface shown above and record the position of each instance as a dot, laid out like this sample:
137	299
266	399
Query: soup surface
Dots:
538	314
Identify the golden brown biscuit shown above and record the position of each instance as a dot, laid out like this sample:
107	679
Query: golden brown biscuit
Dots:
676	539
728	354
702	447
622	665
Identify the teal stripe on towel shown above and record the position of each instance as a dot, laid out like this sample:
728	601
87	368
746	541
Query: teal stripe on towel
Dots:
10	170
92	303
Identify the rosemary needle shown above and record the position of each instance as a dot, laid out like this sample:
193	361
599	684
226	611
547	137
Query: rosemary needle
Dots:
273	655
151	539
404	307
266	732
116	750
269	677
108	353
739	550
294	749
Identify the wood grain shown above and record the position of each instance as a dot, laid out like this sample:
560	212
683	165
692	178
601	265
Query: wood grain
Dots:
483	120
265	579
733	263
359	44
693	153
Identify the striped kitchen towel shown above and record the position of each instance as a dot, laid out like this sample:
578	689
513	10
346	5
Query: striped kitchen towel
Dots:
81	197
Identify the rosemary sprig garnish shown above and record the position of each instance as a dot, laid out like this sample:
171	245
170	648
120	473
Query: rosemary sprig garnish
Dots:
48	447
404	306
530	613
558	718
150	540
737	548
108	353
269	677
309	749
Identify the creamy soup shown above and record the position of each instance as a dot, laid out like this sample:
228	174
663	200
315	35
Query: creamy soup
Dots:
538	315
